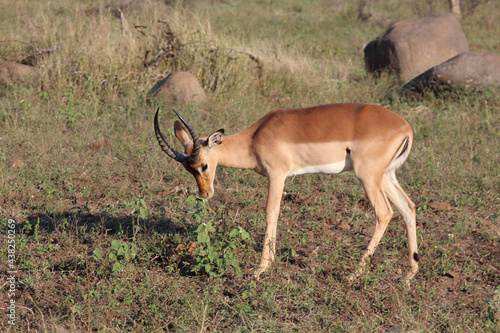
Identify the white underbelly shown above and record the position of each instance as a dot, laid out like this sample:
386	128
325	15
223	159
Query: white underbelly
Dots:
338	167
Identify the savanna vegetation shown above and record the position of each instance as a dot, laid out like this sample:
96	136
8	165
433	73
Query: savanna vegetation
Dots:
110	236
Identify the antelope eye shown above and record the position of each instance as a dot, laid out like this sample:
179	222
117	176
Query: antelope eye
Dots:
204	167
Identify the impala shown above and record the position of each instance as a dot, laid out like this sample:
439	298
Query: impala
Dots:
371	140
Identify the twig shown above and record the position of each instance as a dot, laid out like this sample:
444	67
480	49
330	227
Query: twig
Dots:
167	24
258	61
168	50
145	59
139	27
37	53
251	55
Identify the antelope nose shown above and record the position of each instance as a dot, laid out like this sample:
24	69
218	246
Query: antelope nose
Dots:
207	194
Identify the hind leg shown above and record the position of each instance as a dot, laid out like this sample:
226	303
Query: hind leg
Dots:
407	209
376	194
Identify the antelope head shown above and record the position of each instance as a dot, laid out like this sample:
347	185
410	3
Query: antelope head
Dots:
196	158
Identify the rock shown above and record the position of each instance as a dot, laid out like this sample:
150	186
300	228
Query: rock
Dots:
11	72
410	47
182	86
468	70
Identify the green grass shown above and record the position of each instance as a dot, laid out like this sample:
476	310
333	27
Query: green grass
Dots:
92	256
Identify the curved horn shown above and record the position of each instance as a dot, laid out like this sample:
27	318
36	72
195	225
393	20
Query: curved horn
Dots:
194	157
179	157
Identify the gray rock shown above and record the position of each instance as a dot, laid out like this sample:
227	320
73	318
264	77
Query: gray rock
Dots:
410	47
467	70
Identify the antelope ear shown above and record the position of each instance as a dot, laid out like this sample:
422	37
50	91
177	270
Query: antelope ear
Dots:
181	133
215	138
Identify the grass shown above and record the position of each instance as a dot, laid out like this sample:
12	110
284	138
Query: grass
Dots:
106	223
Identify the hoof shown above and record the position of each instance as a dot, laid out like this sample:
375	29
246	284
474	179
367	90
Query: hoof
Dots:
257	272
411	274
356	274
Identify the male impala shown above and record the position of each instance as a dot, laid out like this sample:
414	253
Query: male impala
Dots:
371	140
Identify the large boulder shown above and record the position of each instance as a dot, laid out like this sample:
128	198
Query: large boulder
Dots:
410	47
11	72
467	70
182	86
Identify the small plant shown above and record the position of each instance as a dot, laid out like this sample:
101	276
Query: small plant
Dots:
493	312
444	258
138	208
214	252
28	228
217	257
119	257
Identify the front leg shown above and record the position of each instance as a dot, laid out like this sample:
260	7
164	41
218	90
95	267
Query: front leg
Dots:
275	191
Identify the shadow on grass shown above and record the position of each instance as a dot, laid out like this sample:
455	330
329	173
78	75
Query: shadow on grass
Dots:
95	231
94	223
